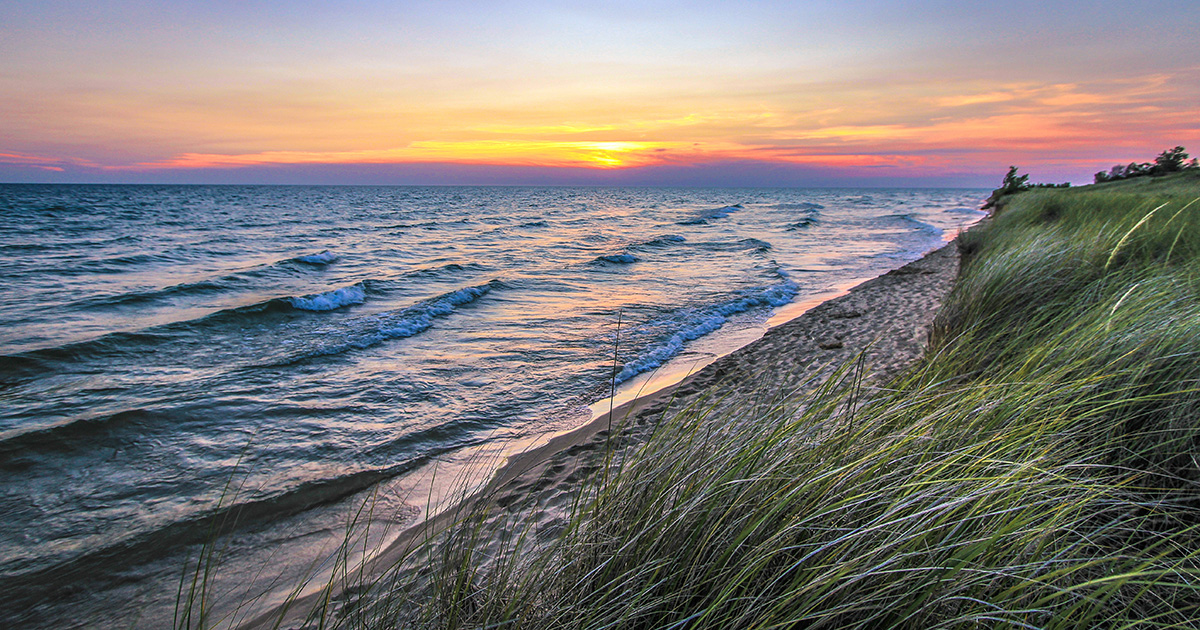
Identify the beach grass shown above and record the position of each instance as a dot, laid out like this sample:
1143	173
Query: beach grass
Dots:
1036	469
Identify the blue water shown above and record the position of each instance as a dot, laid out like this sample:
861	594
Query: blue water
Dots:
158	341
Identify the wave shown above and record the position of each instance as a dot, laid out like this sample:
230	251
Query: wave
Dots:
23	366
324	301
755	244
116	262
111	266
203	287
912	221
665	240
17	445
321	258
616	259
29	364
740	245
201	527
330	300
317	302
427	225
33	364
804	223
371	330
704	216
693	323
437	271
806	206
28	247
246	279
253	279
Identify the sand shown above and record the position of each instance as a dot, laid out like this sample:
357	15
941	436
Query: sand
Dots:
884	323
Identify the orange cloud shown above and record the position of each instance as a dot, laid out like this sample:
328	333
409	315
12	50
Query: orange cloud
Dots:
42	162
33	160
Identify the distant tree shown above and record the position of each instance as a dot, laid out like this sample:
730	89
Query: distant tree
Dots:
1170	161
1013	183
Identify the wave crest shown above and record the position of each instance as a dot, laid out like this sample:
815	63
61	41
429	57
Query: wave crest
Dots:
321	258
617	259
704	216
371	330
693	323
330	300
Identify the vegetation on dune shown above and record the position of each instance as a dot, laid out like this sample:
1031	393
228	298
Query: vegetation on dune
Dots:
1167	162
1036	470
1015	183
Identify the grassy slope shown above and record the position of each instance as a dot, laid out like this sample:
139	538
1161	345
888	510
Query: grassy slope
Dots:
1038	469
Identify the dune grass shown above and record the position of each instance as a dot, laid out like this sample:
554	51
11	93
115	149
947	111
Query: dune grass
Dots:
1038	468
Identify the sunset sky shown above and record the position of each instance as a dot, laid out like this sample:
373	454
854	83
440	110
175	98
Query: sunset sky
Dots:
644	92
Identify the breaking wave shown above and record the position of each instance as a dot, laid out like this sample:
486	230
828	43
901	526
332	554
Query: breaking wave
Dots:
364	332
692	323
330	300
704	216
617	259
321	258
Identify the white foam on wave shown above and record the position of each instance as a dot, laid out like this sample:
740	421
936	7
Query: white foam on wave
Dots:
720	213
330	300
913	221
694	323
321	258
371	330
704	216
419	317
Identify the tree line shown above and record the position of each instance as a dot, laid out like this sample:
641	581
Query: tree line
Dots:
1169	161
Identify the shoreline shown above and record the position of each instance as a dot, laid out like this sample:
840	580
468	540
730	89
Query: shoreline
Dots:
886	318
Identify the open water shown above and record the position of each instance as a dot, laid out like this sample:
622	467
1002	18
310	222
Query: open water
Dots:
168	352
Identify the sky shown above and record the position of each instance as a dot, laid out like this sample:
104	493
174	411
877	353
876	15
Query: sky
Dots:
646	92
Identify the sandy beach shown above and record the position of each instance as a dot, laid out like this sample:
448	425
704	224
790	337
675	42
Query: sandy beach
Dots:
884	321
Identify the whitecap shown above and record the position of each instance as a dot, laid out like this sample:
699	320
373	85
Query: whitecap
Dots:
330	300
694	323
321	258
620	259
